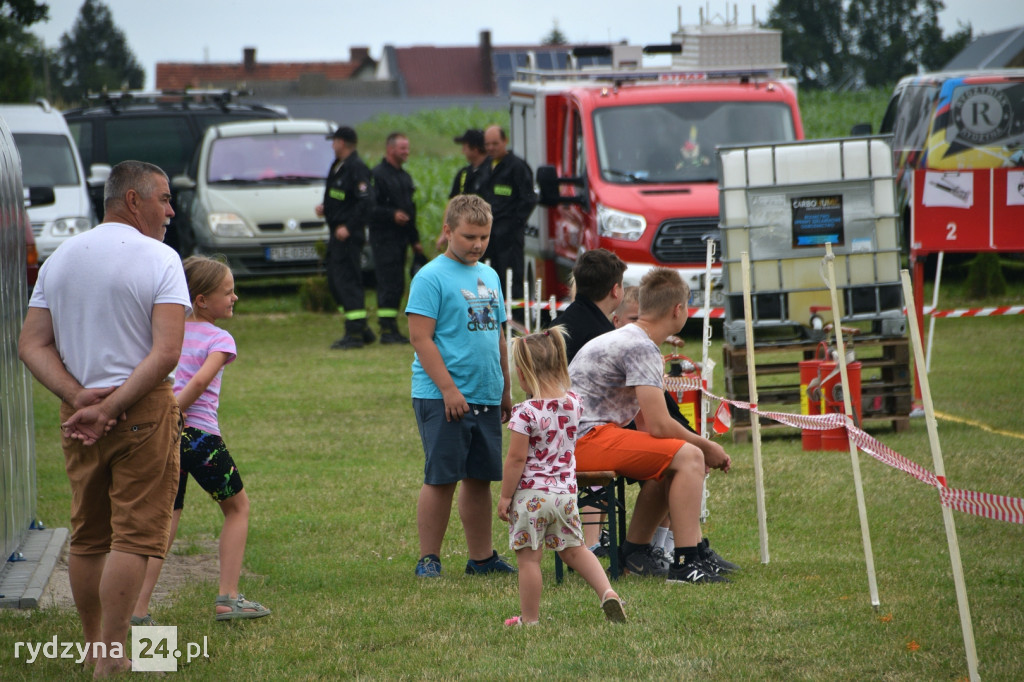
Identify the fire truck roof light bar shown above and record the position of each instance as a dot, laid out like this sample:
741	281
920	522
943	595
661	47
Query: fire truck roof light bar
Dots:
768	72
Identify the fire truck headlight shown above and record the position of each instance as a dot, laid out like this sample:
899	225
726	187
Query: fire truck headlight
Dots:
619	224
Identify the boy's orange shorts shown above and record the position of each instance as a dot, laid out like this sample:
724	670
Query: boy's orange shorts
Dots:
635	454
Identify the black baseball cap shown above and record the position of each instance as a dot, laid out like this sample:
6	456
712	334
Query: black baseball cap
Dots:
344	133
473	137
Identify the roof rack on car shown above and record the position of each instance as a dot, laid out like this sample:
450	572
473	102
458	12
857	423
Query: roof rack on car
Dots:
120	98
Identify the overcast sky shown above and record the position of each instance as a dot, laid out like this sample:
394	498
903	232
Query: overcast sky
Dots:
313	30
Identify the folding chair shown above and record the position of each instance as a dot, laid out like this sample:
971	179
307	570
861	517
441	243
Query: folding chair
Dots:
609	499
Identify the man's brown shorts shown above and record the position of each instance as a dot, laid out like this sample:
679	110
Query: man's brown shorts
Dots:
123	486
635	454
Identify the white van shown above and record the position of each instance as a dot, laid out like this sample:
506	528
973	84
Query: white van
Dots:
250	194
49	159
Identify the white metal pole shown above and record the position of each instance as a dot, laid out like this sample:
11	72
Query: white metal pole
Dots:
705	407
525	302
706	367
865	531
755	426
536	304
508	305
935	306
940	470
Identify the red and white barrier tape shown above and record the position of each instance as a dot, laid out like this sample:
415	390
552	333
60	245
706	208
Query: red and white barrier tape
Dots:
696	313
996	507
978	312
719	313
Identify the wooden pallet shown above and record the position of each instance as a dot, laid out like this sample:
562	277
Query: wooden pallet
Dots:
886	387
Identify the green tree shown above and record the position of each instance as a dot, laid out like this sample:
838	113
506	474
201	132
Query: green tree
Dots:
937	51
814	42
889	34
95	56
17	48
555	37
835	43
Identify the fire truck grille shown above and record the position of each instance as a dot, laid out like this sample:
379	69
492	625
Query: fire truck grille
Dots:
681	240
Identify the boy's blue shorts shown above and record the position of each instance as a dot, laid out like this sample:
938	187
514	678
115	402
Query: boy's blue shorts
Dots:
468	448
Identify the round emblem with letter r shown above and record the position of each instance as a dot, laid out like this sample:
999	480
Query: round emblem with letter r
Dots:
982	114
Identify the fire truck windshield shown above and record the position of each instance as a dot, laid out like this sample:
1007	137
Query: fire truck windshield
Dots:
674	142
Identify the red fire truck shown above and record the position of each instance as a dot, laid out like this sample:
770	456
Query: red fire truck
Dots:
625	160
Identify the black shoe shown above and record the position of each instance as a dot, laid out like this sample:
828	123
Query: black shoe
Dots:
643	562
661	555
715	559
347	342
392	338
600	548
495	564
368	336
696	571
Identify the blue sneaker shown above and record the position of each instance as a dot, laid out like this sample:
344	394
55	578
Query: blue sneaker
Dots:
429	567
493	565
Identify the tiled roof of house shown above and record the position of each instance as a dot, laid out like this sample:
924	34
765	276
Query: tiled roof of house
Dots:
173	76
435	71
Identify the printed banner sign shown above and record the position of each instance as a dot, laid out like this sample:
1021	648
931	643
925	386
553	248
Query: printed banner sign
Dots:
1015	188
817	220
955	190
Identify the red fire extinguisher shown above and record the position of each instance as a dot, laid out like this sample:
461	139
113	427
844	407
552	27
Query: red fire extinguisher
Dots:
687	399
811	400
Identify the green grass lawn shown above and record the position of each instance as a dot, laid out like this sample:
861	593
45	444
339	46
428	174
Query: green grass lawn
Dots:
328	448
329	452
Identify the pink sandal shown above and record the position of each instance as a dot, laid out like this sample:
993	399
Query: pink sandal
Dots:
516	621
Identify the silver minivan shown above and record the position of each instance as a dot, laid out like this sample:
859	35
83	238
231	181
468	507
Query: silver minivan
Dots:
251	192
49	159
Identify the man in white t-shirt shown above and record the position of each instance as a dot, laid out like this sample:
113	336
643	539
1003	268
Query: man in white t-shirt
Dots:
104	332
619	375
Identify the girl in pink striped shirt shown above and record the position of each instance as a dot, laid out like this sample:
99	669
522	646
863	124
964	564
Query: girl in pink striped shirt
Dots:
206	350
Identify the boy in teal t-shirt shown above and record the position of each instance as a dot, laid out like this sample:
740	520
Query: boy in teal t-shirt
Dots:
461	391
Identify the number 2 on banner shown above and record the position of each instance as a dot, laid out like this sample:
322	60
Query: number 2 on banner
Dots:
951	232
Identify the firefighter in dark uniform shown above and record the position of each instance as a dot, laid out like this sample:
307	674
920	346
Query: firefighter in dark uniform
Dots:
472	176
392	229
348	200
508	188
469	177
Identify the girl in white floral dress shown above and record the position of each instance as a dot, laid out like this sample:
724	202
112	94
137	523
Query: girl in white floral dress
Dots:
538	487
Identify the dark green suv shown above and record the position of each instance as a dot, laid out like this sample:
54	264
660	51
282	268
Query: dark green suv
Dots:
161	127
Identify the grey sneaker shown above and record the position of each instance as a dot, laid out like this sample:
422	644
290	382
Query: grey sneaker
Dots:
644	562
697	571
143	620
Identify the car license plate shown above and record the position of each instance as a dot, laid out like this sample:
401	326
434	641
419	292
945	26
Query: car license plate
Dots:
291	253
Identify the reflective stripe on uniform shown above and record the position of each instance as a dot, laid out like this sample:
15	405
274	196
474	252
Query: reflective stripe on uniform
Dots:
338	194
355	315
503	190
387	312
